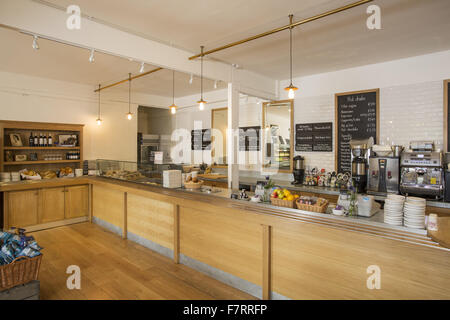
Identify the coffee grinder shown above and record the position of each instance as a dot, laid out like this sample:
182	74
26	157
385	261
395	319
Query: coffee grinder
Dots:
360	154
299	170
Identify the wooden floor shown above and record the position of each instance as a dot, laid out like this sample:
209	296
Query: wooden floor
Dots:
112	268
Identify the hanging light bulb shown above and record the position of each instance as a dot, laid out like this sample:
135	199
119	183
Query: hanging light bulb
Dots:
291	88
215	84
129	114
142	68
91	56
191	79
99	119
173	107
201	102
35	44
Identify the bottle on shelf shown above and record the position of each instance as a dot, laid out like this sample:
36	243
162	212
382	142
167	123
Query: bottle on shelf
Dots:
31	140
45	140
50	140
41	140
36	141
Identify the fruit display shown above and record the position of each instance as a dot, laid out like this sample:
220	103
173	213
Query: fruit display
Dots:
284	194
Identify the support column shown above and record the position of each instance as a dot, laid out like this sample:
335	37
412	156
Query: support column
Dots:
233	136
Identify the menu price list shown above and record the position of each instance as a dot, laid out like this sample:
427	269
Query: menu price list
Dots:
314	137
357	119
249	138
201	139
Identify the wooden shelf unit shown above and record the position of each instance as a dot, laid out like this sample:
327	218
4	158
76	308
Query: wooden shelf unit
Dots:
25	128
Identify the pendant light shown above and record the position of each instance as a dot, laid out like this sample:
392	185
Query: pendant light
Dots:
99	119
291	88
201	102
173	107
91	56
129	114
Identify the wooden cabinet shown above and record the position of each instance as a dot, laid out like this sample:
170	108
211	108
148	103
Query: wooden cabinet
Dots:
76	202
52	205
45	206
22	207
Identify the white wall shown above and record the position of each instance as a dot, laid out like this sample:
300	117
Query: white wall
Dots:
411	99
26	98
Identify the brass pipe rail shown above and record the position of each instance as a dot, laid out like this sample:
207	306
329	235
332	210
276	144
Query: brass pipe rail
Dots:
292	25
127	79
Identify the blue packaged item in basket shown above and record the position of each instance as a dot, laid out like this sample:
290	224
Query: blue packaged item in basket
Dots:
33	245
5	236
28	252
5	259
8	250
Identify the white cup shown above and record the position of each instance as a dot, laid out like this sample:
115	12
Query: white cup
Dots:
194	174
78	172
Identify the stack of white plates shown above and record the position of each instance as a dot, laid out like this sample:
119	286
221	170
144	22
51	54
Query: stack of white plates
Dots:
393	210
5	177
415	212
15	176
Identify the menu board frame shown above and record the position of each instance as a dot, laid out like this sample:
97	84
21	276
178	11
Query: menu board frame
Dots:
447	115
336	118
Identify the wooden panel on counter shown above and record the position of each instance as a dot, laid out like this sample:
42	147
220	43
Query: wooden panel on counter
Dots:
51	205
22	208
222	241
77	201
150	219
108	205
312	262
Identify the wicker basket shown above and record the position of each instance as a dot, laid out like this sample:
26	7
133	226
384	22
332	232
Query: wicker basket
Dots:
20	271
313	208
282	203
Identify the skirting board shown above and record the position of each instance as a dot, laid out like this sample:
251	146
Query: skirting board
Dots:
227	278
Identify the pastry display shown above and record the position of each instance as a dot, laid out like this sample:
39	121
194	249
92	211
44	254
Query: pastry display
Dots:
66	172
124	175
49	174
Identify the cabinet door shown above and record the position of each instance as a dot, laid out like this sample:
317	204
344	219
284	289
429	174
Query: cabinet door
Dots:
52	205
77	201
22	208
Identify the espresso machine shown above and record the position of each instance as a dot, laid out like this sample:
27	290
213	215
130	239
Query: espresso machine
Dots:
422	171
360	155
299	170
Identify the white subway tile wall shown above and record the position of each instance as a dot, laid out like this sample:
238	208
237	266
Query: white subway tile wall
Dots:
407	112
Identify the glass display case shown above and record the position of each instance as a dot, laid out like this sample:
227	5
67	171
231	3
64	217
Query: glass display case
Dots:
144	173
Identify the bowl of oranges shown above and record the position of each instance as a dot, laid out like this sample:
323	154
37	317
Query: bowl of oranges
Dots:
283	198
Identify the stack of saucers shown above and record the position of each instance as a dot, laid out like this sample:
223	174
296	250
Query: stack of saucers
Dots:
393	209
415	212
15	176
5	177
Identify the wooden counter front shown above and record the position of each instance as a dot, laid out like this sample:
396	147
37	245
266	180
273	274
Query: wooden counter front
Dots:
289	255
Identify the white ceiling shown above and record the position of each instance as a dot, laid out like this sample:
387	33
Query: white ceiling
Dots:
63	62
409	28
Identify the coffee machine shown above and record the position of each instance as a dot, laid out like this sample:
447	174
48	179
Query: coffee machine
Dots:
299	170
360	155
422	171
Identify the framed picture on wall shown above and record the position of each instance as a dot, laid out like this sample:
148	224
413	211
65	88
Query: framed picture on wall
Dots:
16	140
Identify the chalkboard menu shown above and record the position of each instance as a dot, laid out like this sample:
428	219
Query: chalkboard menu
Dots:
249	138
314	137
357	117
201	139
447	111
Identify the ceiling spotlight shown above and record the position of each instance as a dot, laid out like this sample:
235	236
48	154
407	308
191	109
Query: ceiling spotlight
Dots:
191	79
142	68
215	84
91	56
35	43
